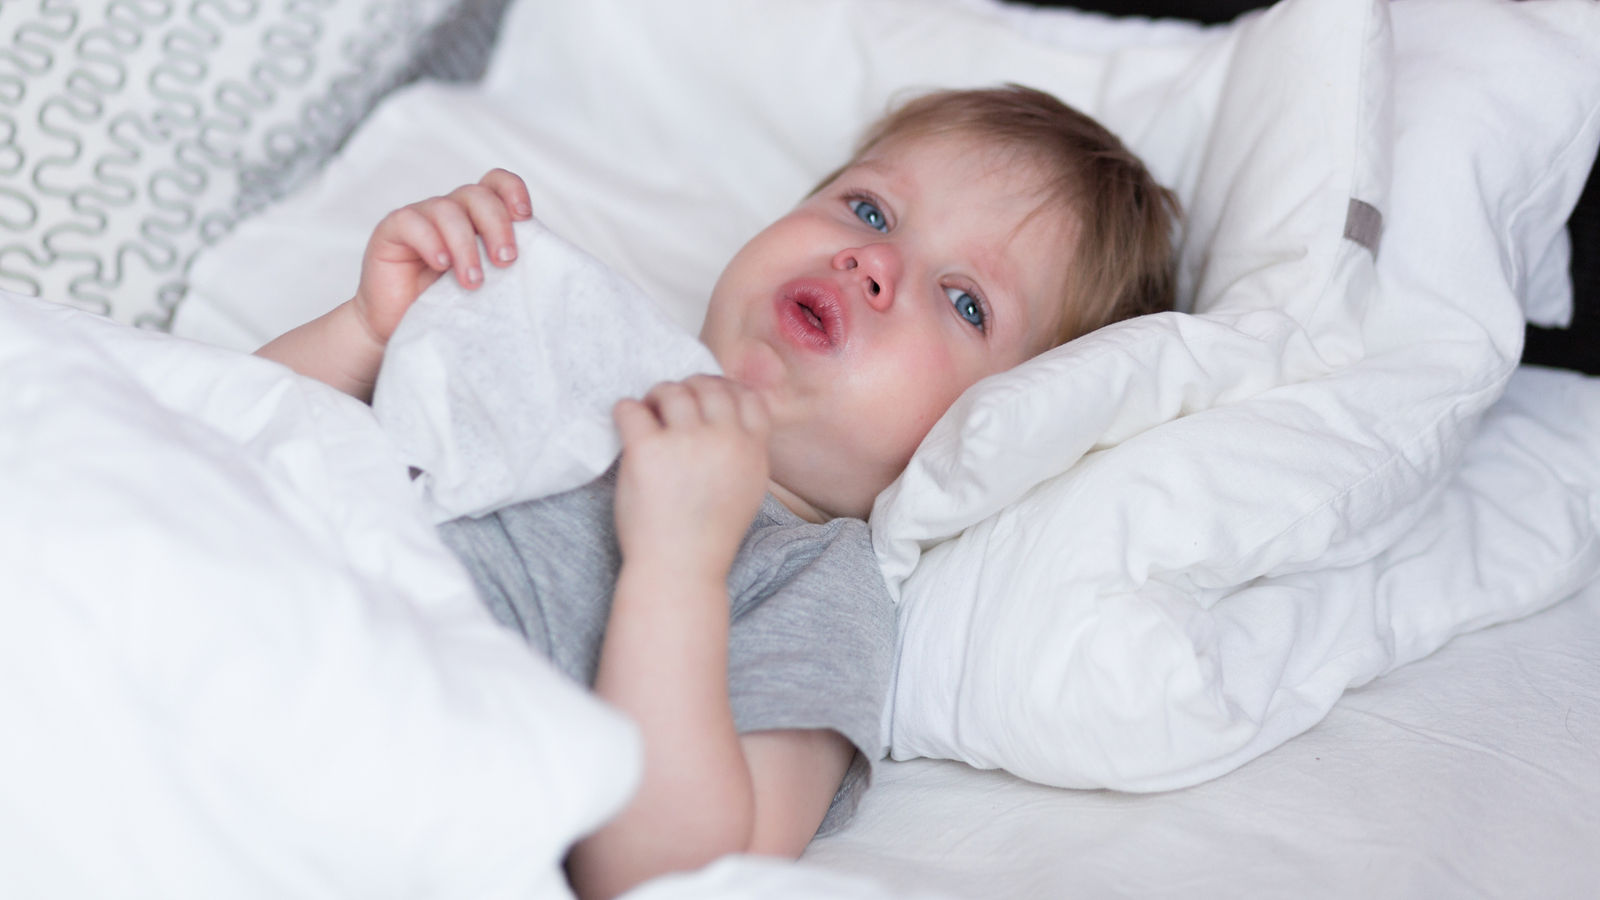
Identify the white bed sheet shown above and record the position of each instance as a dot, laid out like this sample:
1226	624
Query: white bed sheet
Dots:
1473	772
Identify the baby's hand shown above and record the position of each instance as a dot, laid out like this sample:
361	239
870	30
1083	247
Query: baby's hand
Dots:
693	474
416	244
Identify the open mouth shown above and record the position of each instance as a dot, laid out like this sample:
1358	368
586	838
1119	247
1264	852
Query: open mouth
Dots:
811	314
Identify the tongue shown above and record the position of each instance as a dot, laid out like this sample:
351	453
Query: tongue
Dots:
815	319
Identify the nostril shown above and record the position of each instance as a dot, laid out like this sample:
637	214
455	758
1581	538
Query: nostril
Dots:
872	287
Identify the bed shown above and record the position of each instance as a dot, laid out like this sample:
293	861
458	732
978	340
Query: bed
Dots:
1300	597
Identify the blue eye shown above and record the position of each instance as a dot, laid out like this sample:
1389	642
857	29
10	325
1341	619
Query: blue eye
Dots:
869	213
968	307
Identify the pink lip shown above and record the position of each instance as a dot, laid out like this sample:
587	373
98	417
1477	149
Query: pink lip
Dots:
811	314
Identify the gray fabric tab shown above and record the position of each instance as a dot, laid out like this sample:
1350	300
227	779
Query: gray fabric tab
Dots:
1363	223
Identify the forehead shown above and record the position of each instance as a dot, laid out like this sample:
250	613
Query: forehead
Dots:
996	174
993	206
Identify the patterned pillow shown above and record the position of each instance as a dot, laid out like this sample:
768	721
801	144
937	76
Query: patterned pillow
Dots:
135	132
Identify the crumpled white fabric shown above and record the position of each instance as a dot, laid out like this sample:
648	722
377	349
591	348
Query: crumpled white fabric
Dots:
504	393
1147	557
235	658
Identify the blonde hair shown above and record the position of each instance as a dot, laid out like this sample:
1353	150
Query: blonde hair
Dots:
1122	254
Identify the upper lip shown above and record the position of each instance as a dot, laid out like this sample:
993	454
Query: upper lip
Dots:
822	299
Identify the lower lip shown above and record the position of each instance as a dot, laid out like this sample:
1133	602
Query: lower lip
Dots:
798	325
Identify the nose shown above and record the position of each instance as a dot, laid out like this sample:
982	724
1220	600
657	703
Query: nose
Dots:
877	267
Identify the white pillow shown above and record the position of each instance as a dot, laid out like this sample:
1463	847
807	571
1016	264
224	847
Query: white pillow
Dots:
1292	157
1525	102
639	147
138	134
1084	659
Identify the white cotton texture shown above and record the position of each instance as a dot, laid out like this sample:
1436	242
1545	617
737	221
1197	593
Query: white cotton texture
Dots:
504	393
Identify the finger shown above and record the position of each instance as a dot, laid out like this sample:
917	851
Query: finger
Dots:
490	219
716	400
512	190
674	404
409	231
451	218
753	413
635	421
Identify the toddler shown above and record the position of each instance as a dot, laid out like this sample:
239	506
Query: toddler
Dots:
718	584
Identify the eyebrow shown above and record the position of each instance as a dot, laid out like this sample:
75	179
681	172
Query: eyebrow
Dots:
882	169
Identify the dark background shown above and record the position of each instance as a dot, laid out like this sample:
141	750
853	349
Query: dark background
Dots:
1576	347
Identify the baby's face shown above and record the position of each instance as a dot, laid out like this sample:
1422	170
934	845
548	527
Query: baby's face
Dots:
863	314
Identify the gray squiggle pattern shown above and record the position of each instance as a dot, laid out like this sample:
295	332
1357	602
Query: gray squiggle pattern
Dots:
135	132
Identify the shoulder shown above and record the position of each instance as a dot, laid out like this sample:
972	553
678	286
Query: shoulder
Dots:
815	590
783	552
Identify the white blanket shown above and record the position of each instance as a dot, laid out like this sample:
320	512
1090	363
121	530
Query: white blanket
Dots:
504	393
237	662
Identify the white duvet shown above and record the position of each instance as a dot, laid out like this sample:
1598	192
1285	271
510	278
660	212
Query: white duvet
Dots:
235	661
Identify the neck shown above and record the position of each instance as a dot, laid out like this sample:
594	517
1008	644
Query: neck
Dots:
796	504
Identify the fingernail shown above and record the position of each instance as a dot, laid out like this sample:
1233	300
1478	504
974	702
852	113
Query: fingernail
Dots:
443	260
507	253
524	210
474	274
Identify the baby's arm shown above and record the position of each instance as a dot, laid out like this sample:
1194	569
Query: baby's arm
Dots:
407	252
692	476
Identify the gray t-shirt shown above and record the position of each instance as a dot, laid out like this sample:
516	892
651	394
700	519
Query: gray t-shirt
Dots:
812	629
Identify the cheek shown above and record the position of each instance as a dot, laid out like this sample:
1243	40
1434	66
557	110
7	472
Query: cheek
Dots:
722	306
729	308
911	389
749	278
